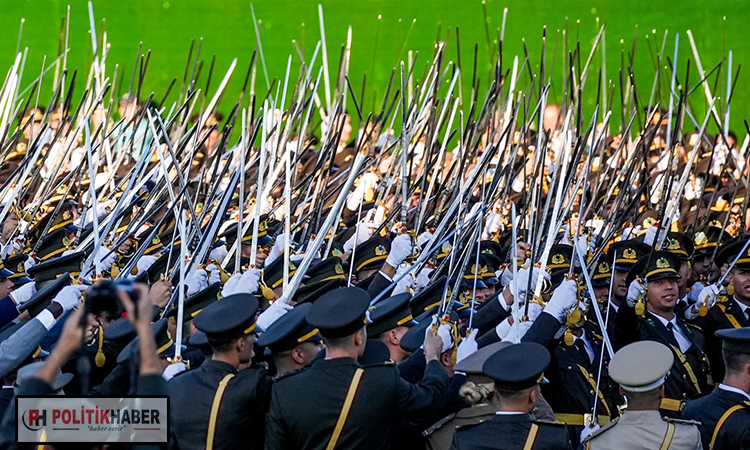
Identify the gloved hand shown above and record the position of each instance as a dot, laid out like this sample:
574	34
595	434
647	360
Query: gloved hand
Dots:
103	261
247	284
196	281
424	238
588	431
523	275
407	284
423	278
219	253
444	333
695	291
708	295
492	224
467	346
400	250
519	329
505	275
70	296
172	370
145	263
214	276
272	314
230	287
636	289
362	233
564	298
277	249
29	263
23	294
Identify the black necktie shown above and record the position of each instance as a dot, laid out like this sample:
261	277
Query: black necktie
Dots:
670	326
582	350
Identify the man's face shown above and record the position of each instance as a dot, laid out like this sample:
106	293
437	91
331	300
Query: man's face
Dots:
601	293
740	279
620	286
6	286
702	266
247	350
684	275
309	350
662	295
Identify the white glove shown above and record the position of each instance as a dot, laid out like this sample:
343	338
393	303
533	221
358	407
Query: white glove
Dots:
492	224
104	263
695	291
219	253
406	284
400	250
630	233
467	346
230	287
505	275
424	238
214	274
272	314
278	247
196	281
363	233
145	263
636	289
564	298
29	263
518	330
24	293
708	296
423	278
172	370
247	283
588	431
523	278
70	296
444	331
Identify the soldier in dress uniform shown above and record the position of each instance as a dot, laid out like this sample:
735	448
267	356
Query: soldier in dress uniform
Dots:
641	369
336	403
650	315
391	320
217	405
516	371
725	413
728	311
292	341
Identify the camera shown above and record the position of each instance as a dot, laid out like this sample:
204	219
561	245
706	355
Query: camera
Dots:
102	299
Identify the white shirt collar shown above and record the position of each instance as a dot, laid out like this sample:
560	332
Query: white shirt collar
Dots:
735	390
508	413
665	321
742	306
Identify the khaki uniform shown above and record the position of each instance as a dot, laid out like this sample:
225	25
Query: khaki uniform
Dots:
441	434
638	430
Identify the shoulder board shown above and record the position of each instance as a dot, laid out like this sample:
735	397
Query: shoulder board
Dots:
437	425
288	374
383	364
693	326
180	374
468	426
548	422
602	430
682	421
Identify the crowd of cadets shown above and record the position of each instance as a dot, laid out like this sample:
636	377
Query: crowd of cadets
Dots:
666	363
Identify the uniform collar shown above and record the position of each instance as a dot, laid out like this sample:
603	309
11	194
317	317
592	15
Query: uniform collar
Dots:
218	366
640	417
734	390
335	362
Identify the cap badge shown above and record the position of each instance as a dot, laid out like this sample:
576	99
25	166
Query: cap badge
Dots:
662	263
558	259
604	267
629	253
338	269
380	251
700	238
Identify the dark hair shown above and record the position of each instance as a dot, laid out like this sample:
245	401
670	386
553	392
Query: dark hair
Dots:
222	346
734	361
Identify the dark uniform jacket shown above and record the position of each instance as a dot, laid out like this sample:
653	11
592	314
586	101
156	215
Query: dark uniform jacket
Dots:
305	405
734	432
689	374
572	376
726	313
241	416
509	432
490	314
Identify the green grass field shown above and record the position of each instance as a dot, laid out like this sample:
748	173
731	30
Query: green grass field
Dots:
226	27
